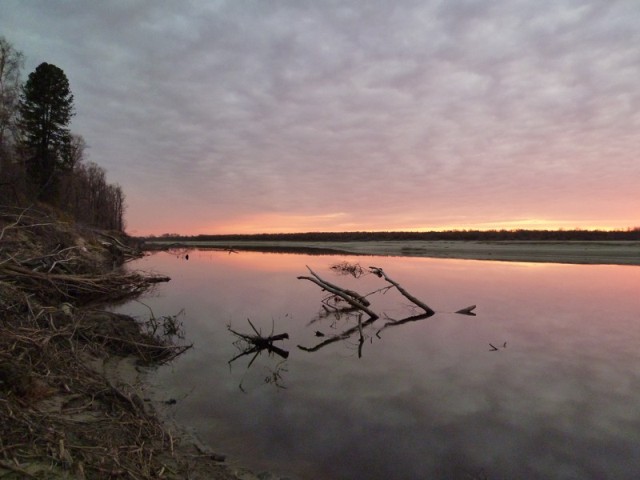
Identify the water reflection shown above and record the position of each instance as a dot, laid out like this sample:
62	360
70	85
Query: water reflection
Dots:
254	345
428	399
345	303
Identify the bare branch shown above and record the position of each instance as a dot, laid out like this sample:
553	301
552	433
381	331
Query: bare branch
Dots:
353	298
380	273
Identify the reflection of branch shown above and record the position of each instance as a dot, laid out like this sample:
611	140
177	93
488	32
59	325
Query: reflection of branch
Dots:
394	323
330	309
467	311
361	340
353	298
343	336
380	273
334	316
361	304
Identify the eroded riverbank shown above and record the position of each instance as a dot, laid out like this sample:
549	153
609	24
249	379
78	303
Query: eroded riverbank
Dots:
72	398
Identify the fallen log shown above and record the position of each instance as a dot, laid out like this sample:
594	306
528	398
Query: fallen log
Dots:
349	296
380	273
355	295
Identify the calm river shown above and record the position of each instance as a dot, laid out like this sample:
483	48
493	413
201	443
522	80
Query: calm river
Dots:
558	399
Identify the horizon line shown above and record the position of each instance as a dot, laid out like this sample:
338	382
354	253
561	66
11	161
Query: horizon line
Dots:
489	230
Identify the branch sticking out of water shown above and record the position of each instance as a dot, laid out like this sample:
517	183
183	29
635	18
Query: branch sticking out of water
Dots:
380	273
257	343
353	298
346	268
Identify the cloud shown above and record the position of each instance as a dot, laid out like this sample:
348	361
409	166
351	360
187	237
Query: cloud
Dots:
424	110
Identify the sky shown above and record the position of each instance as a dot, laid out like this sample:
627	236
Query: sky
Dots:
245	116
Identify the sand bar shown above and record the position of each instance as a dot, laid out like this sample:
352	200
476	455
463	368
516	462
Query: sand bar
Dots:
581	252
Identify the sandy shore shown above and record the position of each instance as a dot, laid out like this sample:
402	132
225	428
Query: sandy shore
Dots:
592	252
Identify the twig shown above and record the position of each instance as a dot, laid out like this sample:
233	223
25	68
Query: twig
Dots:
15	469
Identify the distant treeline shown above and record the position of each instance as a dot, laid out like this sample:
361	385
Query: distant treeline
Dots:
465	235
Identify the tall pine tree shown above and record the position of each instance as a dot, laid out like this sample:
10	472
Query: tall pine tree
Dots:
46	108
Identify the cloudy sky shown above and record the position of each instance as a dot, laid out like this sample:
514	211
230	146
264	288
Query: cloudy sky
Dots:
235	116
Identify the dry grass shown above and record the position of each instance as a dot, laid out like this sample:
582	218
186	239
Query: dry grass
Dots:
60	417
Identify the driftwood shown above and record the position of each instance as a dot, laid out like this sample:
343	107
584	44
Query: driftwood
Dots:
346	268
355	295
118	247
82	288
352	298
380	273
495	349
361	304
257	343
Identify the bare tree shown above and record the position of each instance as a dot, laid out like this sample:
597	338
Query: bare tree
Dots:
11	62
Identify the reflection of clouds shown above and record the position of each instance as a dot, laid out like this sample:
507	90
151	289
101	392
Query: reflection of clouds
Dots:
558	402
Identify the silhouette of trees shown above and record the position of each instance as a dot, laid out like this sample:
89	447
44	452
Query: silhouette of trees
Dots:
88	197
40	158
46	108
450	235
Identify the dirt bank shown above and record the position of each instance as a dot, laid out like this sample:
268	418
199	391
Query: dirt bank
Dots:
72	403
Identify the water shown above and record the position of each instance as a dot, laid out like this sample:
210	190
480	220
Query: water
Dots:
425	399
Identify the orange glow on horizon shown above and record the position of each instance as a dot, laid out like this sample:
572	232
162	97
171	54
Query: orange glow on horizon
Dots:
342	222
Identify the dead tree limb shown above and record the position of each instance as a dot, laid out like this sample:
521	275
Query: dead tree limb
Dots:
355	295
353	298
257	343
380	273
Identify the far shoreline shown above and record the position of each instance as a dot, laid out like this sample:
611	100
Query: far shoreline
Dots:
591	252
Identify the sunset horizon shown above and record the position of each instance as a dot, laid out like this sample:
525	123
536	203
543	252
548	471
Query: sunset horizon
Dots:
504	226
234	117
